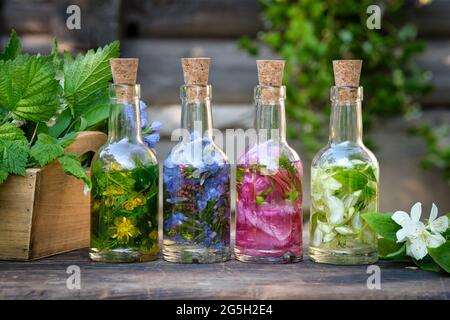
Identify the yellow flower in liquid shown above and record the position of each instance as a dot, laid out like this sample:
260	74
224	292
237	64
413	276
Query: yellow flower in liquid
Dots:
125	229
135	202
114	191
115	166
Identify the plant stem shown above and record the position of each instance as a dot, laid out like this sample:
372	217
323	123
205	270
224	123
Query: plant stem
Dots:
34	134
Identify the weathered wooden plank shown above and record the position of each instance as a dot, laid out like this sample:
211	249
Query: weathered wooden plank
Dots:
432	20
187	18
46	279
99	20
17	207
436	59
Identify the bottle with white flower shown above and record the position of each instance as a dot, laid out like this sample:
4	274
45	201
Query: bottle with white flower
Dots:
344	179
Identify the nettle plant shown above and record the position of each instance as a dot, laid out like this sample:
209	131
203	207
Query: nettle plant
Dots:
309	34
45	100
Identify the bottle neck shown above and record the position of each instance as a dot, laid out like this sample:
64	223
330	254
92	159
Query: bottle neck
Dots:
270	120
125	114
346	117
196	116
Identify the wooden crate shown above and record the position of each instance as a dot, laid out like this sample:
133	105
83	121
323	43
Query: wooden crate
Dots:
46	212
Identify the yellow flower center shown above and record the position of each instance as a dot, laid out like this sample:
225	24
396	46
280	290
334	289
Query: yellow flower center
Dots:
125	229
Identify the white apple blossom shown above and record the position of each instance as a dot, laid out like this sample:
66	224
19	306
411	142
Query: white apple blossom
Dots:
417	236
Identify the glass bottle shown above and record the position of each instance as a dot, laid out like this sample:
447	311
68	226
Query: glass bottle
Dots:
344	185
196	188
124	225
269	188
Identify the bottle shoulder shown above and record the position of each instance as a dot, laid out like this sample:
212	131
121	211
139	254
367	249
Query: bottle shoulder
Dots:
342	153
196	153
267	153
126	155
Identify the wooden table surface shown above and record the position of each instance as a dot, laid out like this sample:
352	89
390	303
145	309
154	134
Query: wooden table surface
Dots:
46	279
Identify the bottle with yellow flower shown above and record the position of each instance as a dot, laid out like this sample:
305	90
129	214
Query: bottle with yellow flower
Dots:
124	206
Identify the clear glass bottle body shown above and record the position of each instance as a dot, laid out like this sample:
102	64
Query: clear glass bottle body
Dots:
196	188
124	196
344	185
269	188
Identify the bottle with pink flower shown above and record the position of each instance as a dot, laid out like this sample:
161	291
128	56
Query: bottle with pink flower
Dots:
269	180
196	180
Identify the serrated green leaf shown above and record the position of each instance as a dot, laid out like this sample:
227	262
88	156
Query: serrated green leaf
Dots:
10	132
14	150
86	75
441	256
382	224
46	149
72	166
28	88
3	176
13	156
67	140
13	49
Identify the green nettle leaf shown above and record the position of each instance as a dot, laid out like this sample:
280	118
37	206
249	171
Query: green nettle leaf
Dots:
46	149
391	250
382	224
14	151
441	256
28	88
13	49
3	176
10	132
72	166
13	157
86	75
67	140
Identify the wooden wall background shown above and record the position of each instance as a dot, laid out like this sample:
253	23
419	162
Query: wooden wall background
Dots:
161	31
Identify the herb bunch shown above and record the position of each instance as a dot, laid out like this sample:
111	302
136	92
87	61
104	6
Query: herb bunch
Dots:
45	100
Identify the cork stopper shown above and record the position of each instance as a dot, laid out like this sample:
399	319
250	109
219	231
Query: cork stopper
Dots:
347	72
270	76
196	73
270	72
124	71
196	70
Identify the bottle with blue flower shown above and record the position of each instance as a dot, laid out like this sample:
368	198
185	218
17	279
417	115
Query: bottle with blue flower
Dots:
196	180
125	172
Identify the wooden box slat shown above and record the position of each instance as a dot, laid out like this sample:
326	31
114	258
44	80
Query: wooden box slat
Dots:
46	212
